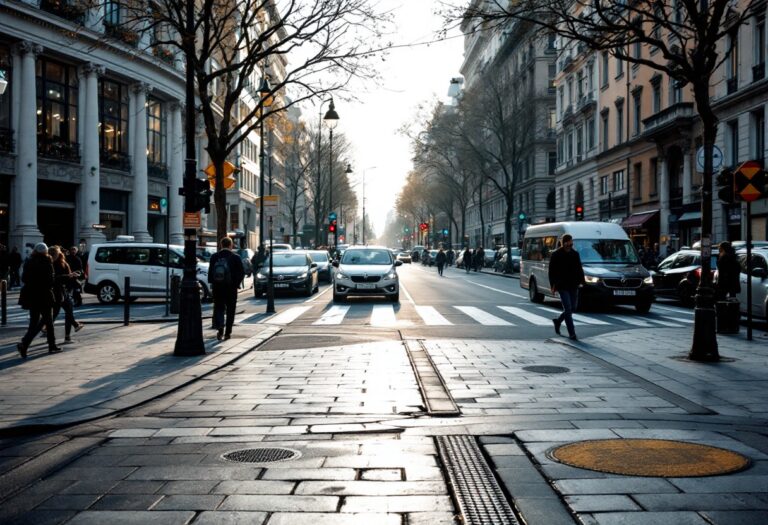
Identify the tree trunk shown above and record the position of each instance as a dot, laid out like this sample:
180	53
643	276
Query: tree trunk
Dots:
508	238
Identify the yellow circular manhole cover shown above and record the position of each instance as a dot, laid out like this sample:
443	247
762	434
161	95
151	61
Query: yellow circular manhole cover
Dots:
650	457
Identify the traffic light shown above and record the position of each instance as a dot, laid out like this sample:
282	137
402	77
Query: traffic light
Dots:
406	230
332	226
423	226
724	181
445	231
197	195
578	212
521	216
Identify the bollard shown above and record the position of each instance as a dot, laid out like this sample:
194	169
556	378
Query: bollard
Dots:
3	302
175	294
127	298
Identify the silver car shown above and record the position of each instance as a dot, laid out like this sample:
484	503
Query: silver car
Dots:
759	281
366	271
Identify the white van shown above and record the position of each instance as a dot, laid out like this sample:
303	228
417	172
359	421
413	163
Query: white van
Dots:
612	269
110	263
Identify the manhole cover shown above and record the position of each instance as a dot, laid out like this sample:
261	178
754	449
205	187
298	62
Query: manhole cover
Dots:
261	455
547	369
650	457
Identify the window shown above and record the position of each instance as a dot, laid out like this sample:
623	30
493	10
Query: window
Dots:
552	71
571	92
590	79
590	133
5	99
638	182
675	92
552	120
619	67
732	60
637	47
758	54
618	180
234	216
551	37
604	69
112	12
637	123
654	176
57	110
619	124
580	84
156	133
604	126
579	142
570	145
656	87
551	162
758	134
561	96
113	123
604	185
733	142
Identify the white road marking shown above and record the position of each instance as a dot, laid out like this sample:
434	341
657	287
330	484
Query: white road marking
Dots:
288	316
383	315
497	290
664	323
630	321
334	315
314	298
678	311
431	316
528	316
678	319
407	295
483	317
577	317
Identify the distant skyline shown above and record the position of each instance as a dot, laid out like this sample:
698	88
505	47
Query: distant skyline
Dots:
411	76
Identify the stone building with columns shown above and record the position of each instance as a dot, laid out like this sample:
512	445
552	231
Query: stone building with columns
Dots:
91	136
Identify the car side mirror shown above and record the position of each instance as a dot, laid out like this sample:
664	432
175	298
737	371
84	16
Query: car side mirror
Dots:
313	265
759	273
335	263
398	263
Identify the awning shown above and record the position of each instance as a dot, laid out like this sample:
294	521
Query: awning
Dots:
690	216
636	220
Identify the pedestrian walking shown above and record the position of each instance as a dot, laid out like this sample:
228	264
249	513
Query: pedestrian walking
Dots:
440	259
728	271
467	261
566	275
225	271
76	266
62	286
451	256
37	297
479	258
14	261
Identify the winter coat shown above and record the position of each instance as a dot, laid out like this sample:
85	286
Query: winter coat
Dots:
440	258
728	270
38	279
565	271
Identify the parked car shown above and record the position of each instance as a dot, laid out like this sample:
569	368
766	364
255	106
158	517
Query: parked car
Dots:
366	271
430	259
204	253
500	263
678	275
323	261
759	282
292	271
404	257
246	254
489	256
416	252
110	263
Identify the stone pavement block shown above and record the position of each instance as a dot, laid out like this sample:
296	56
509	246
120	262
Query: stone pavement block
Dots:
382	474
525	474
543	511
183	473
254	487
423	473
44	517
601	503
622	485
95	473
432	518
313	518
189	487
189	502
510	449
311	474
676	502
281	503
724	484
511	461
69	502
395	461
131	517
741	517
151	460
371	488
231	518
126	502
397	504
136	487
648	518
565	435
88	487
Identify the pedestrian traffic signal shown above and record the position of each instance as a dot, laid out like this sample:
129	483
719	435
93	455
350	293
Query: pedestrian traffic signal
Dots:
724	181
197	195
578	212
406	229
332	226
521	216
445	231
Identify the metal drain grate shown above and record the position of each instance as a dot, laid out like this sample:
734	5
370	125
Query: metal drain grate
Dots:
547	369
261	455
478	495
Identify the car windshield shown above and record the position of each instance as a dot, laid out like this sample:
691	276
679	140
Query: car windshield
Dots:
606	251
319	256
366	257
289	259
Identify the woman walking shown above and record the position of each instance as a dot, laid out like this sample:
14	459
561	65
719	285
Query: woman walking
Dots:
37	297
64	279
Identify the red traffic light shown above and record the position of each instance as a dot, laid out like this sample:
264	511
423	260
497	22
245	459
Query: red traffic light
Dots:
423	226
579	212
332	226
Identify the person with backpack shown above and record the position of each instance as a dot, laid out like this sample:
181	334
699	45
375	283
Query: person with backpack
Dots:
225	271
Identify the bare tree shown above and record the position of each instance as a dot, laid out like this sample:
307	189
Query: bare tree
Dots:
295	150
689	36
411	200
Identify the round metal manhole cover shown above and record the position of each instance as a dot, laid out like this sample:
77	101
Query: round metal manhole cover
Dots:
546	369
650	457
261	455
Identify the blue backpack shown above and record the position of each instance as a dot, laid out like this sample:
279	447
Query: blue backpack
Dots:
221	273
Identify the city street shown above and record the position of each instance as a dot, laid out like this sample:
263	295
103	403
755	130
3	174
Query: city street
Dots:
369	412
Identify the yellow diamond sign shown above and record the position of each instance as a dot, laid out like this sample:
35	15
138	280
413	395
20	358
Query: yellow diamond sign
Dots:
229	169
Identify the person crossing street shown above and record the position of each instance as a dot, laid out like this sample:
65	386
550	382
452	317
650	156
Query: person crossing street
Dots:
566	275
224	274
440	259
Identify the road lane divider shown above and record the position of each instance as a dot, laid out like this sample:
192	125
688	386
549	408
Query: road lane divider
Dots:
497	290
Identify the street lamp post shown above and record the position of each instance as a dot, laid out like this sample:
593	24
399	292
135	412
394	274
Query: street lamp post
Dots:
331	119
265	94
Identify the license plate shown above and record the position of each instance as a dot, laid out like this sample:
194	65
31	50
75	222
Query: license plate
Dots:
624	292
366	286
282	285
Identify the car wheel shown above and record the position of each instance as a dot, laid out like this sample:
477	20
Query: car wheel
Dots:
395	298
643	308
533	292
108	293
308	289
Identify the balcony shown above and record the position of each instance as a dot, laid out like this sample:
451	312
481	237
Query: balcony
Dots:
58	149
115	160
758	72
120	32
6	140
675	117
72	11
157	171
567	114
732	85
587	102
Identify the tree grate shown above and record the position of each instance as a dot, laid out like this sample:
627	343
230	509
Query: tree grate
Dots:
476	492
547	369
261	455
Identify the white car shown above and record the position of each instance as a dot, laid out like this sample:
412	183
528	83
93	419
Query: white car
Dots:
110	263
759	281
366	271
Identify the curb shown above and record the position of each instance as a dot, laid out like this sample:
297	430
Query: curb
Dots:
177	380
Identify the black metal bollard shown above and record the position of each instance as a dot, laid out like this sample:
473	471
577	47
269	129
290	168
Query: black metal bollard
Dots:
127	305
3	302
175	294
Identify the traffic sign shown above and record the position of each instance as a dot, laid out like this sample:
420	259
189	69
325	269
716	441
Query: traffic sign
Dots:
717	158
192	220
229	169
749	182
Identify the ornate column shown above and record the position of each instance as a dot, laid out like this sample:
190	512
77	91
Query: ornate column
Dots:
663	202
91	181
687	181
25	183
176	175
139	196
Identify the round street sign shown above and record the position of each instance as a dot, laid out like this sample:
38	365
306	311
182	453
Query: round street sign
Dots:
717	158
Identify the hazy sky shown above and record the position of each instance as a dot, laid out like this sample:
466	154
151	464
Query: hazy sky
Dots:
411	76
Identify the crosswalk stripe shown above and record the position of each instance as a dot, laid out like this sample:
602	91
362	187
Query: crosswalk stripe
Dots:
334	315
663	323
678	319
631	321
528	316
482	316
288	316
383	315
577	317
431	316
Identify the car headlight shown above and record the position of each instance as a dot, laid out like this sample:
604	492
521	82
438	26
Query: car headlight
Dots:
261	275
591	279
302	276
341	275
648	280
390	276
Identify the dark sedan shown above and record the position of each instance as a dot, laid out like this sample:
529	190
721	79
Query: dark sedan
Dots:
678	275
323	264
292	271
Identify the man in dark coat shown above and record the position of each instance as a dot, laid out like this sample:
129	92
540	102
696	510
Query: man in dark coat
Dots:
467	260
479	259
728	270
440	259
37	297
565	276
76	266
225	279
